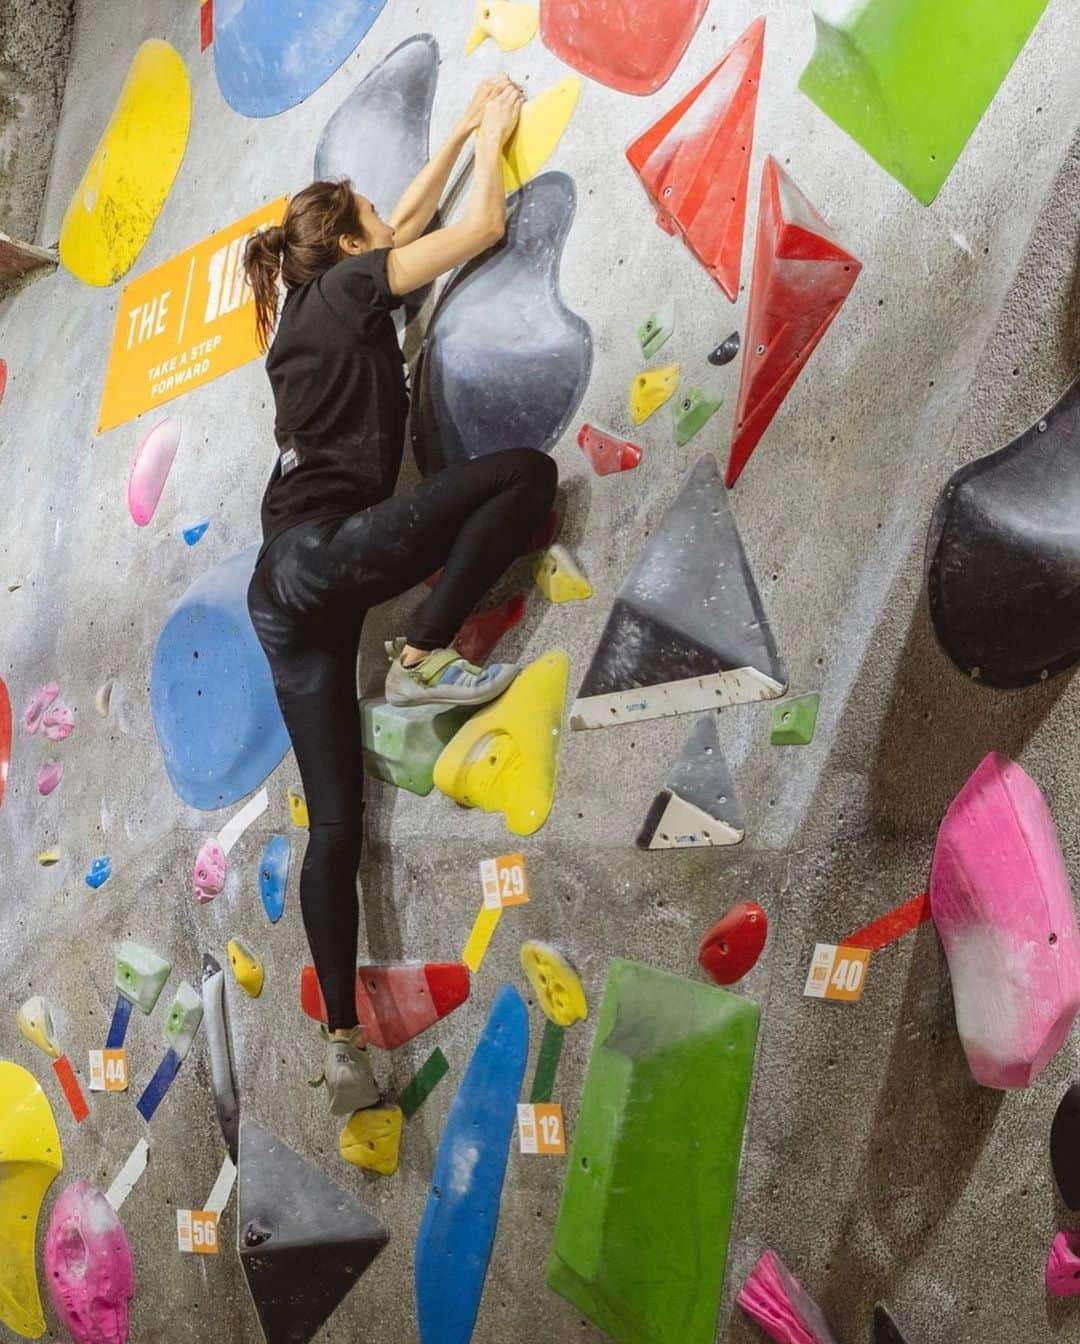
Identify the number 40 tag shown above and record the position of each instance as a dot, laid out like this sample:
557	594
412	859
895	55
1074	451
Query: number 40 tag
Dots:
837	973
540	1129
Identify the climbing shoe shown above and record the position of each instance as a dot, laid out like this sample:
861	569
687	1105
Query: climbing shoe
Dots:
348	1075
443	678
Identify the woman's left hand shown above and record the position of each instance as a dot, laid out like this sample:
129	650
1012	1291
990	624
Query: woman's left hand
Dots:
485	91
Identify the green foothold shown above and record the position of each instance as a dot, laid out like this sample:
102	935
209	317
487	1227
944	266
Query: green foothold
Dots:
401	746
547	1063
140	975
423	1082
184	1018
657	328
642	1235
690	412
909	80
793	721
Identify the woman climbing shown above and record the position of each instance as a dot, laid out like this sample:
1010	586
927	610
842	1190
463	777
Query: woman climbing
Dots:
337	541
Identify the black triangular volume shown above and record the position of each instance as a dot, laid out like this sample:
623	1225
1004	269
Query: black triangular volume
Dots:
1065	1147
886	1330
698	805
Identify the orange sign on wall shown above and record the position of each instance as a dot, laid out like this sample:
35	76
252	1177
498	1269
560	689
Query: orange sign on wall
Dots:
184	323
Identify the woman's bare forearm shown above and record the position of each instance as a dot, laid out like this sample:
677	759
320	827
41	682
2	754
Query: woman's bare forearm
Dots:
486	205
414	212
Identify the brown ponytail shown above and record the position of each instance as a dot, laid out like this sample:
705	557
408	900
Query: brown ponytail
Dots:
300	248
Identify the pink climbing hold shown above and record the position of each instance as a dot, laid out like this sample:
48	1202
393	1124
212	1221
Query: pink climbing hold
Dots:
208	877
49	776
1063	1265
88	1266
775	1298
150	469
39	703
3	378
58	722
1000	897
606	452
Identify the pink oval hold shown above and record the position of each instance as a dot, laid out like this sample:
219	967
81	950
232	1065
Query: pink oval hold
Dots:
39	703
1063	1265
88	1266
49	776
208	877
150	470
58	722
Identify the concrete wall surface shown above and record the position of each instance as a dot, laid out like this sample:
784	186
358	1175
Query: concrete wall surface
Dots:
873	1164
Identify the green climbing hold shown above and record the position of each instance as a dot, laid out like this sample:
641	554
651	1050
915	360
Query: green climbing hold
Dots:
401	745
657	328
642	1234
909	80
140	975
690	412
793	721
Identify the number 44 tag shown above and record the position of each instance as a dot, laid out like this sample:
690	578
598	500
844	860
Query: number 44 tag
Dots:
837	973
540	1129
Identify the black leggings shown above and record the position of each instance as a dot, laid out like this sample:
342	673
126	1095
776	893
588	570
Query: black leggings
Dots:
308	598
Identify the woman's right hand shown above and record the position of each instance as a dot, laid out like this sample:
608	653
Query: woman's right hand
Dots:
500	116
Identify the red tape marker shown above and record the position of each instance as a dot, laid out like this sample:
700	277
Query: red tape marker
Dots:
69	1085
892	926
206	24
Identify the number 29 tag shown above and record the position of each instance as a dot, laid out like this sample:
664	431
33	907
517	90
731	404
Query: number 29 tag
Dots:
541	1129
503	881
837	973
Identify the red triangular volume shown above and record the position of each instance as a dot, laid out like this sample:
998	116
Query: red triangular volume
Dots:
801	278
395	1001
695	161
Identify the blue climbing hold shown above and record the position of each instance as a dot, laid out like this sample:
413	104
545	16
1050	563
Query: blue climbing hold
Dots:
453	1245
274	876
272	54
196	532
211	694
100	872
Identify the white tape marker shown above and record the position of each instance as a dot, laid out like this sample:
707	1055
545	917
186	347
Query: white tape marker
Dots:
129	1173
235	827
219	1196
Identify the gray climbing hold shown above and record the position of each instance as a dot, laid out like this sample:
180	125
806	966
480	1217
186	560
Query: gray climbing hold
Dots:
697	805
222	1065
726	351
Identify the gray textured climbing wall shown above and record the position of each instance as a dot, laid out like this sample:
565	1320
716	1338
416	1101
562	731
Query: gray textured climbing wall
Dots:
872	1163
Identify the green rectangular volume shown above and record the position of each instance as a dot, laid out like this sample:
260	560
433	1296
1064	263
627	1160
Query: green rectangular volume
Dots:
909	80
641	1240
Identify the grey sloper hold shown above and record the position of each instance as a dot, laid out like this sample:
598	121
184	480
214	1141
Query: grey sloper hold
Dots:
505	363
303	1240
378	137
886	1330
222	1065
687	630
698	805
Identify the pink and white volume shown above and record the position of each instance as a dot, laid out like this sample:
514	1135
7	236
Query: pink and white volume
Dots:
88	1266
1000	898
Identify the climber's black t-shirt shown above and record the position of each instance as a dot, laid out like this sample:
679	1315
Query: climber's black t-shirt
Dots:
338	378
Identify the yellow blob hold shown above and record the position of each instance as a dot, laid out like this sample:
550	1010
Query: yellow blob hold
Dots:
650	389
30	1158
511	25
48	857
505	758
128	178
246	967
34	1019
555	982
298	810
372	1138
558	577
540	128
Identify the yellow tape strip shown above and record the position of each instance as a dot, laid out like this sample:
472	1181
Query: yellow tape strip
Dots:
477	945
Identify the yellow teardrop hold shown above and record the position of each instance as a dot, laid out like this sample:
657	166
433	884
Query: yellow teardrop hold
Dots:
559	578
505	758
30	1157
246	967
540	128
298	810
650	389
511	25
48	857
556	984
34	1019
371	1139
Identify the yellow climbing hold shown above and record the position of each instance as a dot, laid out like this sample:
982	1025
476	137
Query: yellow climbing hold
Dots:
540	128
511	25
371	1139
298	810
505	758
48	857
30	1158
128	178
559	578
556	984
34	1019
247	968
650	389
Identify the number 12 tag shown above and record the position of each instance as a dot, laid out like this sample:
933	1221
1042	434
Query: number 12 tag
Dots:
541	1129
837	973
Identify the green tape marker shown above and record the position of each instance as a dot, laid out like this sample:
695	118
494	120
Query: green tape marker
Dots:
423	1083
547	1062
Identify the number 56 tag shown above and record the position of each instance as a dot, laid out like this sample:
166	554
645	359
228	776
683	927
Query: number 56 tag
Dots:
540	1129
837	973
196	1231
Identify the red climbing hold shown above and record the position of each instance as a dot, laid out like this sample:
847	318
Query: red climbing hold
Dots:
397	1001
607	453
733	944
801	278
694	163
3	378
483	629
631	45
5	737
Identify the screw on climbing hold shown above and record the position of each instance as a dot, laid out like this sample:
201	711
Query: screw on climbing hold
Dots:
657	329
691	412
726	351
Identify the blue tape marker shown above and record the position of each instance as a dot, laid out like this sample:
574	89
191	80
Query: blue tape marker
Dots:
118	1028
158	1085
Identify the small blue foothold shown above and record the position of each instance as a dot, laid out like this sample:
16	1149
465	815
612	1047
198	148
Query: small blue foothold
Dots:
196	531
100	872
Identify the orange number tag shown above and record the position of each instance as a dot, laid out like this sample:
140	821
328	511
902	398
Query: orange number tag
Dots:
837	973
503	881
196	1231
541	1129
108	1071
